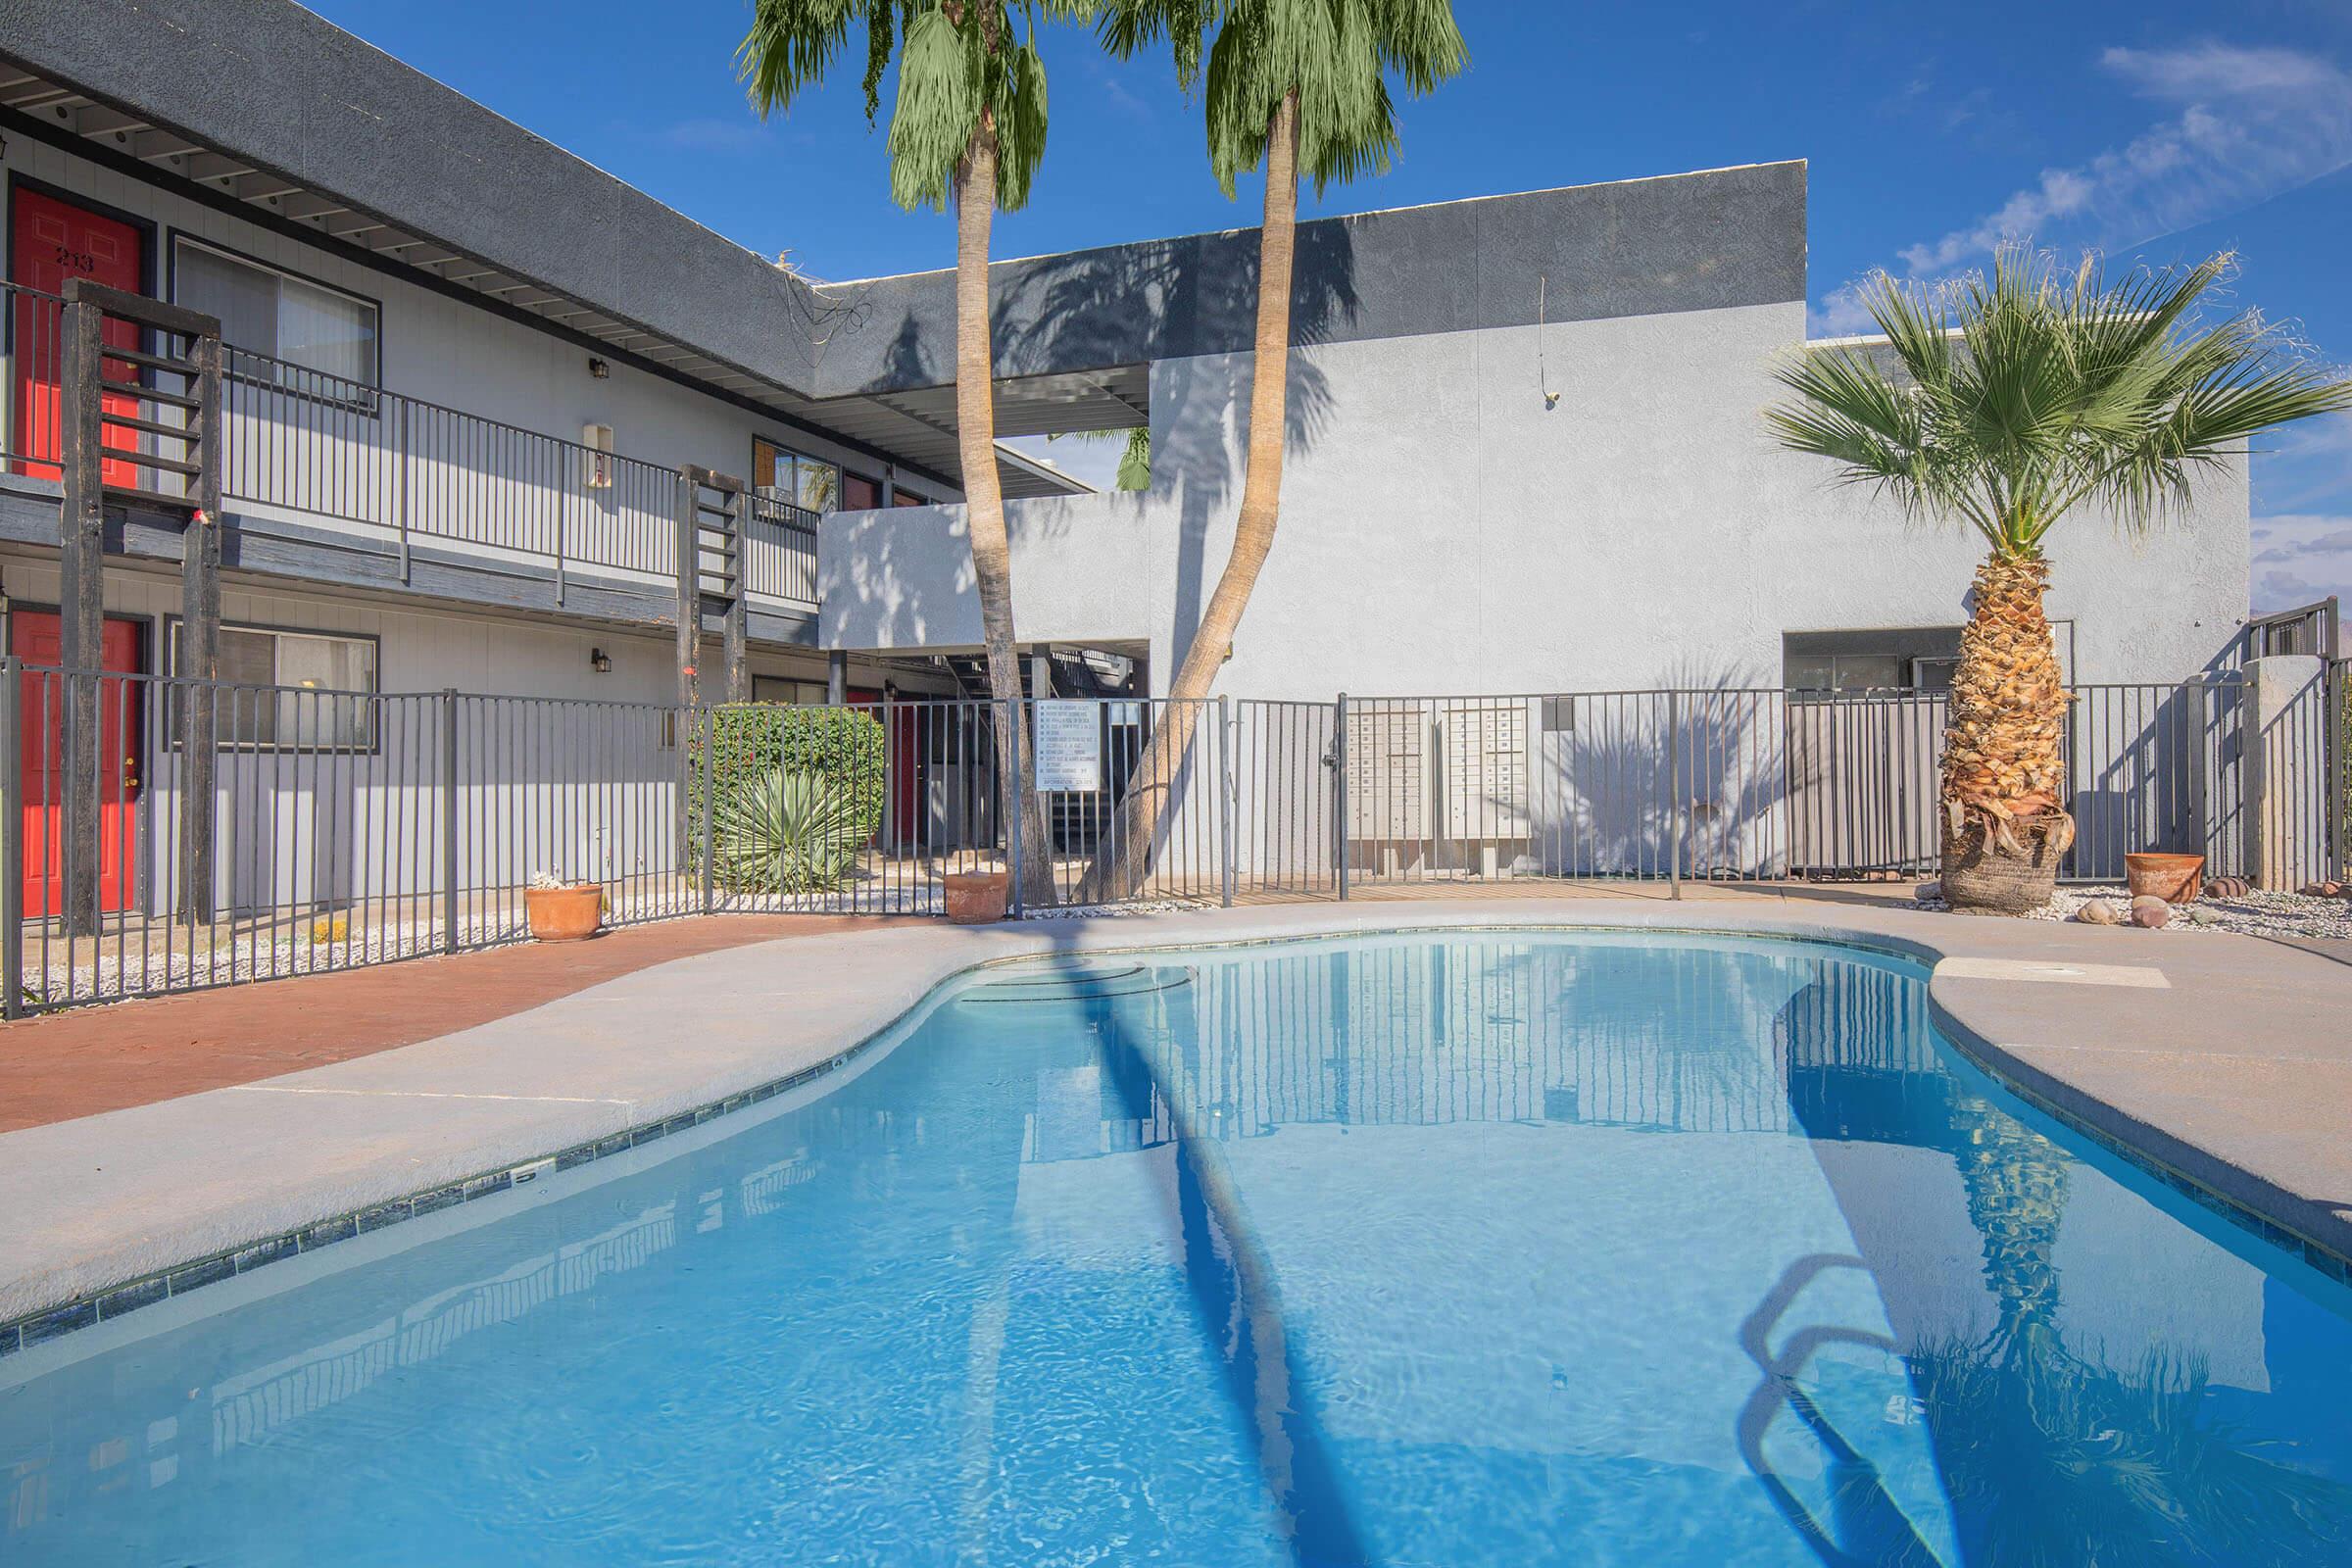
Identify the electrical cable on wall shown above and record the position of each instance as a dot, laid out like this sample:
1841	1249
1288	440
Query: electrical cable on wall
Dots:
1551	399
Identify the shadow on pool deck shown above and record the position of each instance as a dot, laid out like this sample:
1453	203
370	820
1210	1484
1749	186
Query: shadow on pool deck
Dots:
110	1057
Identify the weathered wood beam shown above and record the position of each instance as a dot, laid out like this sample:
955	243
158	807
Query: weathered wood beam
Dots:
81	606
200	642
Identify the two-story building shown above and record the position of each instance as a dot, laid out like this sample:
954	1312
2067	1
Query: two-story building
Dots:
467	378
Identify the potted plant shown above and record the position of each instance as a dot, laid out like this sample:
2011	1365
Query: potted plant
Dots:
975	898
560	910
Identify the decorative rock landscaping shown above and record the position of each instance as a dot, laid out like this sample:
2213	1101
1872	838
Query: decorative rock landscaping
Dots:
2228	905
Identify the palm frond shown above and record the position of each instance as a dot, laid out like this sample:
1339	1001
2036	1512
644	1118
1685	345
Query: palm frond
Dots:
1135	462
1336	55
790	45
938	110
2027	391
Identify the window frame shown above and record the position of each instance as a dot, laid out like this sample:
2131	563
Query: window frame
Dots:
760	487
374	745
373	395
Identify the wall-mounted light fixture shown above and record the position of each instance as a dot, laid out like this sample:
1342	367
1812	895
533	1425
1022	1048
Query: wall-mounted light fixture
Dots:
599	368
599	661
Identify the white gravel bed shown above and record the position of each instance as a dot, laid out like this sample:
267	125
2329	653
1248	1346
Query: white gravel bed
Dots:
1094	912
2252	913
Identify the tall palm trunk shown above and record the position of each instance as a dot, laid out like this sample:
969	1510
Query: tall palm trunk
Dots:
2005	822
2017	1188
984	508
1120	865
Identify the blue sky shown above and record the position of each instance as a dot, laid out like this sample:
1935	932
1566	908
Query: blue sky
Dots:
2155	131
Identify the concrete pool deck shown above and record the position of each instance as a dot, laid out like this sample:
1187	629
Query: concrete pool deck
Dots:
2223	1059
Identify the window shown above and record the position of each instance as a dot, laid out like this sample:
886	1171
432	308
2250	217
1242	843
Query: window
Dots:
780	689
783	474
1899	660
326	688
305	326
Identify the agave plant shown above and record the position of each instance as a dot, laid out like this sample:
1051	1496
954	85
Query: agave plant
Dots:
786	831
2014	401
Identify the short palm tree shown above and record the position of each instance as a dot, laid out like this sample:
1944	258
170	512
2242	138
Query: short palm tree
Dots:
2014	401
968	127
1296	85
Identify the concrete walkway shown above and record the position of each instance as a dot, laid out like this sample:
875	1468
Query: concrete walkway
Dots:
95	1060
2227	1058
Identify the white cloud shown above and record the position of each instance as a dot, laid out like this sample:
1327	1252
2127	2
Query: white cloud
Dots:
2247	124
2300	557
2300	535
2213	70
2282	588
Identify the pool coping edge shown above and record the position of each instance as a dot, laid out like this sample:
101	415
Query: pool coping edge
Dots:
2170	1163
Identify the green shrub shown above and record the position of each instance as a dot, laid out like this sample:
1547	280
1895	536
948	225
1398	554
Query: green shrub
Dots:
818	766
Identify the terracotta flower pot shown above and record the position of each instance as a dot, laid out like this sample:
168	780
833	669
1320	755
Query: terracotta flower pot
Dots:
2173	878
975	898
564	914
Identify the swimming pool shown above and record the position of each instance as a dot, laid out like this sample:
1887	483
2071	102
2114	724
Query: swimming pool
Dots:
1492	1248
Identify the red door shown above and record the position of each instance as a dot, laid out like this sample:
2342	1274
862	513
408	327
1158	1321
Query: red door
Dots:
53	241
34	635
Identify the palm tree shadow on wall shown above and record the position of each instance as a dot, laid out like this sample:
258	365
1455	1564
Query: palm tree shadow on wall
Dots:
1622	776
1199	295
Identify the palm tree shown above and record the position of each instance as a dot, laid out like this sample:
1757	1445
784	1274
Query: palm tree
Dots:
1294	85
968	128
2016	401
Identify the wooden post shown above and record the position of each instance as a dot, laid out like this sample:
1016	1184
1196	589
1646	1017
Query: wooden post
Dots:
685	720
82	603
12	838
200	638
734	647
689	595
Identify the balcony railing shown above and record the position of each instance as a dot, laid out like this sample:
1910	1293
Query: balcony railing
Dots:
779	550
303	445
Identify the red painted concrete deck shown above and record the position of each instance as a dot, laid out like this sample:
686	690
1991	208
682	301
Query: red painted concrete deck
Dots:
136	1053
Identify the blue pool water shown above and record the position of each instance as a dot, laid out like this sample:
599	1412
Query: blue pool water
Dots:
1422	1249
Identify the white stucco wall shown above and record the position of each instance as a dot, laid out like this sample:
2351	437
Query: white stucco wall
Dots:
1443	531
446	351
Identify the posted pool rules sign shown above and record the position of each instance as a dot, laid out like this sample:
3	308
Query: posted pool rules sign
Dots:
1069	746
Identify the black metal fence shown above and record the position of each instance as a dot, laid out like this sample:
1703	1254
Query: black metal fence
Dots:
32	341
1720	783
319	447
351	828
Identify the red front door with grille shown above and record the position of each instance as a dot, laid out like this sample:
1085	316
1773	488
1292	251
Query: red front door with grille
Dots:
50	242
34	635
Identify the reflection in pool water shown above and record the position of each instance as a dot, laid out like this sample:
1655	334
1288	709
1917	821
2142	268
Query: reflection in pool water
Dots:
1479	1248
